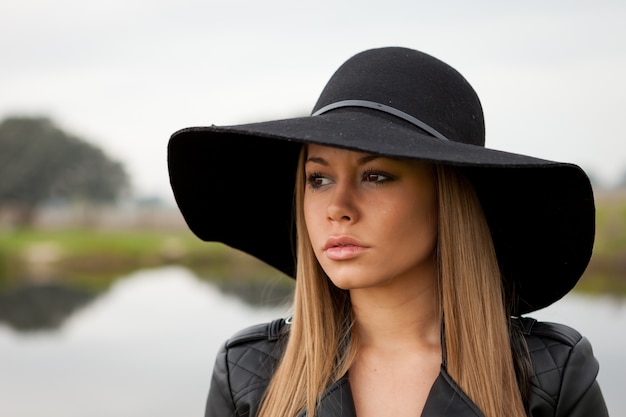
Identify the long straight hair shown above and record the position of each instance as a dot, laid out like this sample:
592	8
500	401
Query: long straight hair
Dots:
477	329
322	347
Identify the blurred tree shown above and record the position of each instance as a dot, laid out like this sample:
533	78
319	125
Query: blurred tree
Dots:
38	162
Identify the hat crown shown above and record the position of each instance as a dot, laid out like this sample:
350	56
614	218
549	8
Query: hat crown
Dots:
414	83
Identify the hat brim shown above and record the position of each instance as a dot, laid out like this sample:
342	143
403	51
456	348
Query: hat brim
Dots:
235	184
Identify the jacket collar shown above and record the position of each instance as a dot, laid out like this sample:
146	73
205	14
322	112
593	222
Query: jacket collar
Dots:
445	398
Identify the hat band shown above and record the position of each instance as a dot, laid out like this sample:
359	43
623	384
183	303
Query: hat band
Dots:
384	108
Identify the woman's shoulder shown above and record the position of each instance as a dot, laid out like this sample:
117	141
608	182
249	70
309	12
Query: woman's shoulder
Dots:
263	332
244	367
565	370
252	346
551	346
548	332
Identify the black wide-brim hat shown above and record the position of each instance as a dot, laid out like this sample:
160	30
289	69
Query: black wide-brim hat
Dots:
235	184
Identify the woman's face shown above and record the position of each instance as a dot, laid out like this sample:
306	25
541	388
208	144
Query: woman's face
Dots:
372	220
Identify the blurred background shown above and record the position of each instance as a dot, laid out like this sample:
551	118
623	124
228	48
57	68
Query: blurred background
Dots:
110	306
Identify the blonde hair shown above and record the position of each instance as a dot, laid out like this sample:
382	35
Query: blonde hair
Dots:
476	333
321	345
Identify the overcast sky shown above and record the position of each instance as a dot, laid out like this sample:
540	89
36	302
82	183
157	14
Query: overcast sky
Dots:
126	74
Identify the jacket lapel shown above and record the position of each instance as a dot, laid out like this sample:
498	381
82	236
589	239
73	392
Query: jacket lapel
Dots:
445	399
336	401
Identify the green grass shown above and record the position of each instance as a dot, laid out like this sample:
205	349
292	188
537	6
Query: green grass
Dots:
84	241
78	253
94	259
610	228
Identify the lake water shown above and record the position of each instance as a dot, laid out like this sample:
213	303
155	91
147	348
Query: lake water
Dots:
146	348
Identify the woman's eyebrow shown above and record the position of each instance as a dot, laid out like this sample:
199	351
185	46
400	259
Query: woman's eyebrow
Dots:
317	160
361	161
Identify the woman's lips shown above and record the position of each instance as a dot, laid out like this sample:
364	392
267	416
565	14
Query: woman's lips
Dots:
342	248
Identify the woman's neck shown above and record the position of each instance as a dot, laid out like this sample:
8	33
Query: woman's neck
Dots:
399	351
397	317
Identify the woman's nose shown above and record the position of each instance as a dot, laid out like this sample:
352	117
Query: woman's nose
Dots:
342	206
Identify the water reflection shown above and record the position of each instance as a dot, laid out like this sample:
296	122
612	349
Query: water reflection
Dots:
146	346
40	306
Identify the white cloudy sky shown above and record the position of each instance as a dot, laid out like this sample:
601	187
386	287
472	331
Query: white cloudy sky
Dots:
125	74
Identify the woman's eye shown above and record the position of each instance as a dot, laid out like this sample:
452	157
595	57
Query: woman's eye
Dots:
375	177
317	180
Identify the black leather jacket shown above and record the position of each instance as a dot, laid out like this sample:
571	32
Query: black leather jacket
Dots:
564	382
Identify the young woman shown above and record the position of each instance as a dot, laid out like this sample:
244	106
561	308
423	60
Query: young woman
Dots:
416	251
